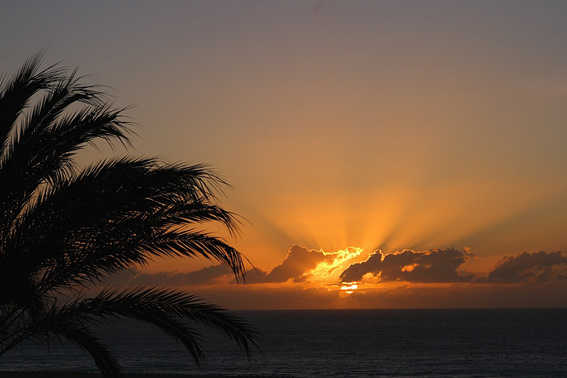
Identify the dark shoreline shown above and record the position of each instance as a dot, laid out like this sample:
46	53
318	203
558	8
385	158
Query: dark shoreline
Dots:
60	374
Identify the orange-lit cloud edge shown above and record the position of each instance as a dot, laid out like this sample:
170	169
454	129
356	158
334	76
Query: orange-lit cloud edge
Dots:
354	278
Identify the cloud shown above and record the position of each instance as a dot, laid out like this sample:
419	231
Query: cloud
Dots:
215	274
433	266
356	271
211	274
253	276
530	267
442	266
298	261
407	279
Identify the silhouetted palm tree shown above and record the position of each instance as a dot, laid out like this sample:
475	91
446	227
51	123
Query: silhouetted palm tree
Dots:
63	230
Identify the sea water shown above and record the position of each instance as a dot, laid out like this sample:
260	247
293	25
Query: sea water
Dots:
353	343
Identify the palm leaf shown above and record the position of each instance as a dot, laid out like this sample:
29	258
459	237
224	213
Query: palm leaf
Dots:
63	230
17	92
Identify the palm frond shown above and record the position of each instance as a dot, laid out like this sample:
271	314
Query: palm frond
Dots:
64	229
155	305
56	323
75	331
167	309
17	91
119	213
41	149
45	155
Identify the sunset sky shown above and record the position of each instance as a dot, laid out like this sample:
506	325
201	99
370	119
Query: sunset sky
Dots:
350	131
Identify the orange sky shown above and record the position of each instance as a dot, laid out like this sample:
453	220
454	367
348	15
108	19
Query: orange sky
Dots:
355	278
385	125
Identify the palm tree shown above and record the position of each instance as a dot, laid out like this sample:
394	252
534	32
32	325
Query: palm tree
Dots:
64	230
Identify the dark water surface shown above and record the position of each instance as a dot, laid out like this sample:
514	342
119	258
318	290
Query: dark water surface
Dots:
355	343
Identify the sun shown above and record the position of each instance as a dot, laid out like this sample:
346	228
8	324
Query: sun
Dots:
348	287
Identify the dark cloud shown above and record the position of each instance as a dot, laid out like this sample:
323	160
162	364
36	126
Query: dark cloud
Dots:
203	276
525	280
356	271
433	266
441	266
530	267
253	276
298	261
210	275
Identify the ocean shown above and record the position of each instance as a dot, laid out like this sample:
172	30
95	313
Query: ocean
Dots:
348	343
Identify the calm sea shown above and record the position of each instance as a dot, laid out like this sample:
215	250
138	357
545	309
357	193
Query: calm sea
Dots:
354	343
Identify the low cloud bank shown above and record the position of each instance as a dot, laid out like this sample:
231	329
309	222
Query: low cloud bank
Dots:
206	275
442	266
298	261
408	279
215	274
530	267
433	266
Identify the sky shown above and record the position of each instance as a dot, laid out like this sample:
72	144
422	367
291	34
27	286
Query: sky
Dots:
413	147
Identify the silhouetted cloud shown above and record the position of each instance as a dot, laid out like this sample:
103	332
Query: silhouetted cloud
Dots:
299	264
427	279
436	265
206	275
210	275
253	276
299	259
530	267
356	271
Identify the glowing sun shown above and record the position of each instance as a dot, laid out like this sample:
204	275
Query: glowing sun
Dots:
349	287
